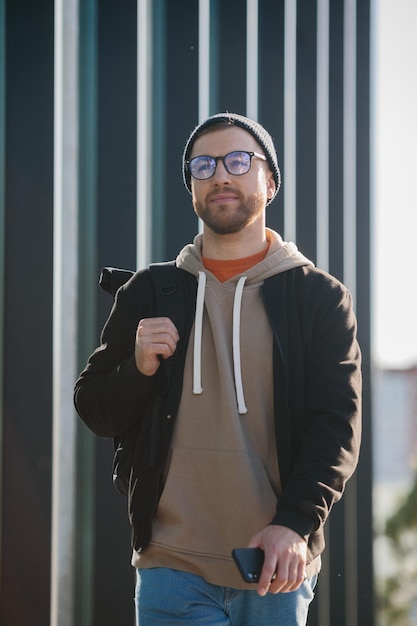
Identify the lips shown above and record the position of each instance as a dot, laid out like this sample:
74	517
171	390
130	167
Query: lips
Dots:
223	196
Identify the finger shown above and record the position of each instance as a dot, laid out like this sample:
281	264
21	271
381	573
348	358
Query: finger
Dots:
299	577
289	578
156	325
162	347
153	340
280	581
152	335
267	577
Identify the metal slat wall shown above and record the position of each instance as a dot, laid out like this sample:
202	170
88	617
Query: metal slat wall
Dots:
148	71
307	94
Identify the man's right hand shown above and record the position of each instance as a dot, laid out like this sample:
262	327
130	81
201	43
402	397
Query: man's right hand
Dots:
155	337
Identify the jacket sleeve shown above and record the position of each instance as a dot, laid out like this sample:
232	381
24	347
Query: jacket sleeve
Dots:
324	406
111	394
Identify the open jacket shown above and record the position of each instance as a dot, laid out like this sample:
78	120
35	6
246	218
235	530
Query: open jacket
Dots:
317	396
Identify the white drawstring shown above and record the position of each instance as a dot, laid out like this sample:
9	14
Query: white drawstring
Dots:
198	332
236	346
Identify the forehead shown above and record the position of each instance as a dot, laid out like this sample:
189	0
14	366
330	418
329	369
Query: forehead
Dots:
221	140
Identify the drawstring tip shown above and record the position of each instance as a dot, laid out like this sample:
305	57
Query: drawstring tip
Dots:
197	391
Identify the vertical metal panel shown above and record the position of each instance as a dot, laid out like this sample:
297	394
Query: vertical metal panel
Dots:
65	358
27	340
116	151
336	152
320	609
144	151
204	66
290	120
87	238
160	167
231	46
349	278
322	117
306	127
364	547
349	143
180	110
117	133
351	561
204	24
2	239
271	89
252	59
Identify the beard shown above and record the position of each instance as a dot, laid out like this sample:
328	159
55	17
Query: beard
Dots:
226	220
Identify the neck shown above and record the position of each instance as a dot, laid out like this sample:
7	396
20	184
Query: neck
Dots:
234	246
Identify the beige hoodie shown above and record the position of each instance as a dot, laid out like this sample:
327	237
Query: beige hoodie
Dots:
222	480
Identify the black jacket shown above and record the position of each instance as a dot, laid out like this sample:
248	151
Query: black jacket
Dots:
317	395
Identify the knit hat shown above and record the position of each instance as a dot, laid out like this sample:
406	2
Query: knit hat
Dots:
257	131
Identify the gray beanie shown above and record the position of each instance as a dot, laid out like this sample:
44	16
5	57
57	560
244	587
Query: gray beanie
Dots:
257	131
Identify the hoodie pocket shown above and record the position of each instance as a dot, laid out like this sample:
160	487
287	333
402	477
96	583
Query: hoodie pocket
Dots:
213	501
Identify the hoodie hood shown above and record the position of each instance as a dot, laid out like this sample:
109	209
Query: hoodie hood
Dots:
281	257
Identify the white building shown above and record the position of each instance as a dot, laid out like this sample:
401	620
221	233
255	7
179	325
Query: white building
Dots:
394	426
394	452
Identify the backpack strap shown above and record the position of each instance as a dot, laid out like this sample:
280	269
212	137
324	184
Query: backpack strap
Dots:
169	297
169	292
111	278
168	283
169	286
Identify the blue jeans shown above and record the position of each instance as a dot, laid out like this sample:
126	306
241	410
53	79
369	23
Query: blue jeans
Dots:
171	597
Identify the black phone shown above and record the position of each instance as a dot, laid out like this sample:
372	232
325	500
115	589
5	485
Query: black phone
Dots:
249	562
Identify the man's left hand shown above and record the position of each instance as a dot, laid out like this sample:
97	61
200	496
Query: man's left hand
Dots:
285	559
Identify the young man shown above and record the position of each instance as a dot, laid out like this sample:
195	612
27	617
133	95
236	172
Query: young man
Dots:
259	429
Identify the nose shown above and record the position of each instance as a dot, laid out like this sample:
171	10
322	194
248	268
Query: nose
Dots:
221	175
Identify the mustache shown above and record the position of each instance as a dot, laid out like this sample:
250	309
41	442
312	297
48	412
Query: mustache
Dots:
220	190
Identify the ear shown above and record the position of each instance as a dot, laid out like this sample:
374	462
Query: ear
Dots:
270	185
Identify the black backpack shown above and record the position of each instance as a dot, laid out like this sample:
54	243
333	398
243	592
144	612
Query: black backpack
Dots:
168	287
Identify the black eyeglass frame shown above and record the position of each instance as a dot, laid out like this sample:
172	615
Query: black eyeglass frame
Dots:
251	155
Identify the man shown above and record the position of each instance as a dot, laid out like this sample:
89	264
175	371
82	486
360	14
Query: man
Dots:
259	429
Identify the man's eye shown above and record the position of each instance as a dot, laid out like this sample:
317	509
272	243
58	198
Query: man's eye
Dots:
204	167
236	162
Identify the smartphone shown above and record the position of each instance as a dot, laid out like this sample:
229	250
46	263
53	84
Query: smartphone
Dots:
249	562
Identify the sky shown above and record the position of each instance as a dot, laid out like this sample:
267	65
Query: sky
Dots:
394	183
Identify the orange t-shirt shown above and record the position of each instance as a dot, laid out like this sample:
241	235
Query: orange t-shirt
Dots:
223	270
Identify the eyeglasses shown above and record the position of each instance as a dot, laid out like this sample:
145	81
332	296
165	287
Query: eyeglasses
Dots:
235	163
